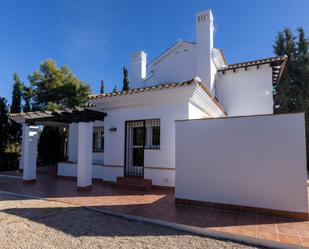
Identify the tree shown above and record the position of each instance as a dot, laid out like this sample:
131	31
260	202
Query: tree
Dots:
14	128
57	87
291	93
125	85
54	88
16	95
3	124
27	96
285	90
115	89
102	87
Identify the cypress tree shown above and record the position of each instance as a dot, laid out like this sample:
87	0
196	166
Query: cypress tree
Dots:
16	95
15	129
115	89
125	85
291	93
281	89
102	87
302	44
3	124
27	95
279	47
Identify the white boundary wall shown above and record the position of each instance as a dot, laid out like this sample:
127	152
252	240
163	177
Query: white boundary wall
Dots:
257	161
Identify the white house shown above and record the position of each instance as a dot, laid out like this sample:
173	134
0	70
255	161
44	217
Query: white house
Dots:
136	136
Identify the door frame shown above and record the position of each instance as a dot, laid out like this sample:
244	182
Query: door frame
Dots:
126	148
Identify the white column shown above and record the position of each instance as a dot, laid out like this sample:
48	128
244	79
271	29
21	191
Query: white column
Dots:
29	147
84	162
73	141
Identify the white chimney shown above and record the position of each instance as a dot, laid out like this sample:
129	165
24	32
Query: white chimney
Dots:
206	68
138	69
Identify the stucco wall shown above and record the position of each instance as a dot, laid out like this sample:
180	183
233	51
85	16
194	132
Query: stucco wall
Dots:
177	66
255	161
70	169
246	92
162	158
97	157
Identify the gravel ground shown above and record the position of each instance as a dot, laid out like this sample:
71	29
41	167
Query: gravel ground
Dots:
28	223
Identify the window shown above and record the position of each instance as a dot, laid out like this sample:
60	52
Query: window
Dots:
152	134
98	139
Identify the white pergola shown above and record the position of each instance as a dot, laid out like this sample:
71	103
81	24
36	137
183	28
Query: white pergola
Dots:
80	117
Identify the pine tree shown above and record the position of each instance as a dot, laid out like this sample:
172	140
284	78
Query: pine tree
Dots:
4	135
115	89
15	129
125	85
102	87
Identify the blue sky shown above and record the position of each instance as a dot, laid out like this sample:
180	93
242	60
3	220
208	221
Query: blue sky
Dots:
95	37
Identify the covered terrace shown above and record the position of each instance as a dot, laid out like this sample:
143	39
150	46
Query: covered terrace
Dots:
82	117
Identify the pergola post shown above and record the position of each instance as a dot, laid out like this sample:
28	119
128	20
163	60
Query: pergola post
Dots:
29	152
84	157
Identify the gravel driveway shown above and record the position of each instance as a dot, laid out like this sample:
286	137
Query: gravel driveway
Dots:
29	223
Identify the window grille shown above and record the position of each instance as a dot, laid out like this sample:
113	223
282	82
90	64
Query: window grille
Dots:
98	139
152	134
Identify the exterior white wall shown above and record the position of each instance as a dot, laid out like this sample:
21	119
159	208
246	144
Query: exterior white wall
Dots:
246	92
72	142
161	158
97	157
177	66
70	169
196	112
257	161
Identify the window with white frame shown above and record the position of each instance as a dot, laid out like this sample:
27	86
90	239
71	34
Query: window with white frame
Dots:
98	139
152	127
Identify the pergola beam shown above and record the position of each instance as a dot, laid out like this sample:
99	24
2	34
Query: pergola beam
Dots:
66	116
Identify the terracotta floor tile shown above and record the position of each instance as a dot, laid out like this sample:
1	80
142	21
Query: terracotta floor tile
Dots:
267	235
303	229
287	228
289	239
268	228
160	204
305	241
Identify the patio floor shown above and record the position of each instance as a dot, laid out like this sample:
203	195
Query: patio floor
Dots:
159	204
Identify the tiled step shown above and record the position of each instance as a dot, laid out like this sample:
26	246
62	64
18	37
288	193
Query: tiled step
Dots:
134	183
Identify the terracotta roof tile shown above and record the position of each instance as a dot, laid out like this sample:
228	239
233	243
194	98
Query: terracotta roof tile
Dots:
142	89
160	87
277	63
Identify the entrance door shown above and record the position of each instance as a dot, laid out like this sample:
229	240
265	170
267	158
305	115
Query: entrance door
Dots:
134	148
